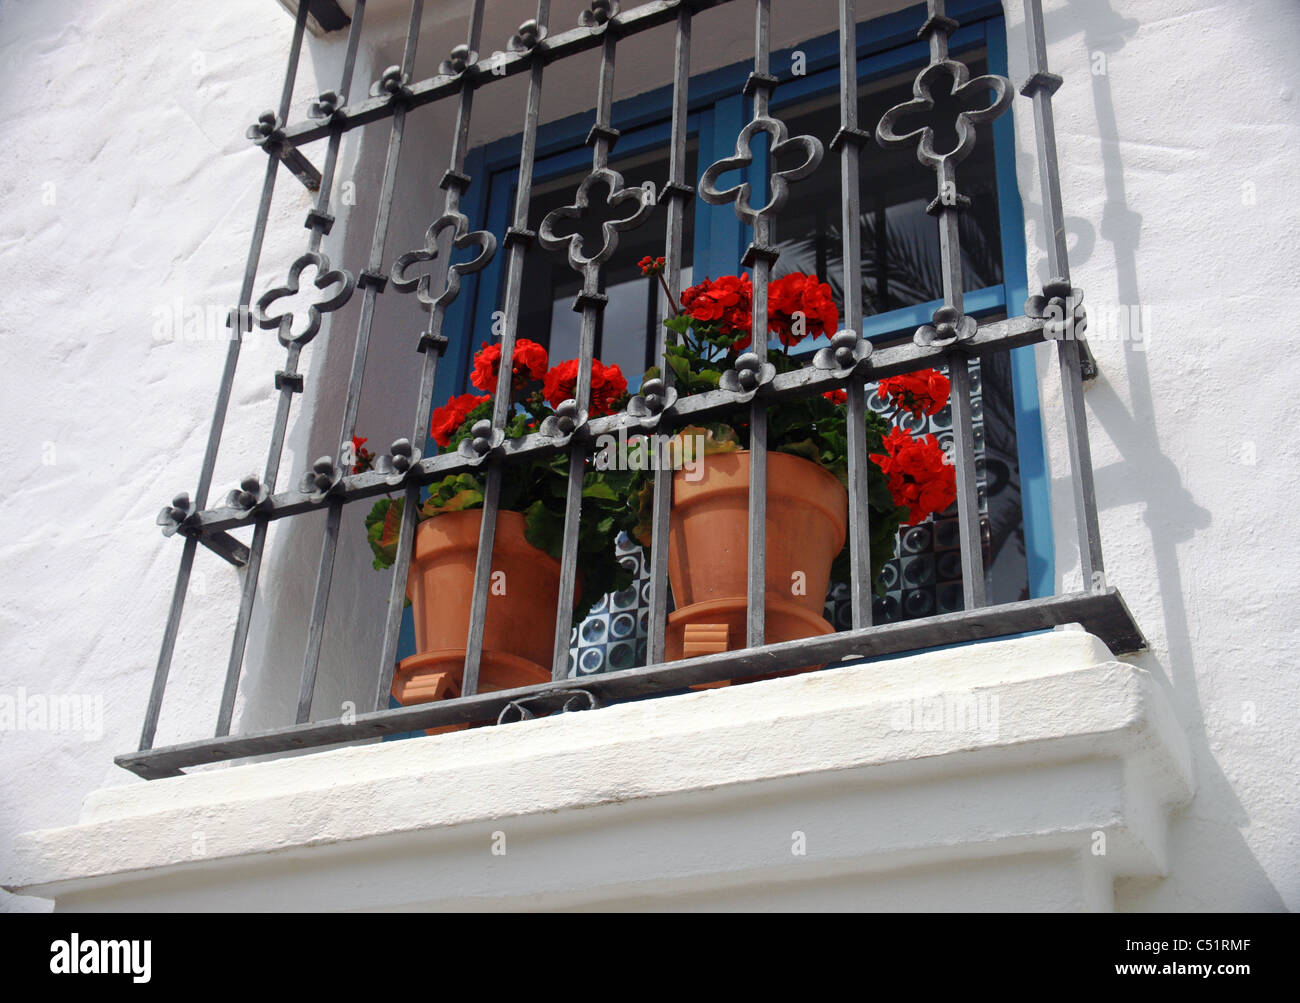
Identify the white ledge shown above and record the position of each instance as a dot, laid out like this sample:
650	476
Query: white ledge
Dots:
1053	774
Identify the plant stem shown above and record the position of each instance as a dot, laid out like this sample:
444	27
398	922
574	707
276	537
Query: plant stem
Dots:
677	310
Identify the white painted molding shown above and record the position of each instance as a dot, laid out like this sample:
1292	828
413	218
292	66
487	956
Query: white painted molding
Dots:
1050	746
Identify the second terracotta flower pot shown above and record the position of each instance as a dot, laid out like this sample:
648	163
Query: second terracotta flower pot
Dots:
519	630
708	540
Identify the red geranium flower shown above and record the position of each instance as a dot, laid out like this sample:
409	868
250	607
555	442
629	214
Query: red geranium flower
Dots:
725	301
919	477
529	364
837	396
798	306
608	384
651	266
447	420
924	392
363	459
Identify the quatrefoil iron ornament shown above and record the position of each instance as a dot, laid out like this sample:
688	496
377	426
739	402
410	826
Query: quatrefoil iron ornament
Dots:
392	83
325	279
328	107
528	37
845	351
947	327
483	440
1060	307
610	229
652	402
750	373
268	129
250	496
598	14
462	237
568	418
922	103
779	181
400	461
324	479
461	58
177	516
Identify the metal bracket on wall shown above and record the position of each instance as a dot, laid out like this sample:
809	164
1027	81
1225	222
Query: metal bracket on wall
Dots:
1088	369
303	169
226	547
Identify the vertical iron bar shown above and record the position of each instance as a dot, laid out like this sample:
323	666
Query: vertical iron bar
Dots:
677	191
432	345
287	390
849	140
255	548
372	282
756	574
1070	349
501	402
237	324
963	427
592	303
963	423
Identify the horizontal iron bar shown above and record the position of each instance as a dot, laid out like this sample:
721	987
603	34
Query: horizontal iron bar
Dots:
503	65
1103	614
996	337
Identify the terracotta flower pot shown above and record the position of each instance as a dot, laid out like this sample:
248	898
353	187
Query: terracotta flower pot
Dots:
519	630
708	539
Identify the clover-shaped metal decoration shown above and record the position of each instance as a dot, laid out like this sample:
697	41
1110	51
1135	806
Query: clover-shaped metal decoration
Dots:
324	479
845	351
779	181
400	461
250	496
654	399
328	107
325	279
610	229
963	88
391	83
528	37
750	373
1060	307
178	516
483	439
462	237
568	418
947	327
460	59
268	129
599	14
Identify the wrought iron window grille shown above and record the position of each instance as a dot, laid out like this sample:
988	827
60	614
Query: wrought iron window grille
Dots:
950	337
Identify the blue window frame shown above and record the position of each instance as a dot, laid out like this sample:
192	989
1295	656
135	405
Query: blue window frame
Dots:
717	112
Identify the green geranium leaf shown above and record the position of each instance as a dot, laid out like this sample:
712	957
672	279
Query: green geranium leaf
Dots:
544	529
805	448
383	526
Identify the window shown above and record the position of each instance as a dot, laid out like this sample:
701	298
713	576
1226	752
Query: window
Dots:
997	433
901	287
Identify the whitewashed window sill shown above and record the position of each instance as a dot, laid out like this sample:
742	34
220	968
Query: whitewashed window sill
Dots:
1019	774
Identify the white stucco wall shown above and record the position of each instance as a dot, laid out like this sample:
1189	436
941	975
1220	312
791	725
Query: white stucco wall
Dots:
122	130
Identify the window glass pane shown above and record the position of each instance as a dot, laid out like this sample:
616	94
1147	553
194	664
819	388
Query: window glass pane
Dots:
900	242
627	332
